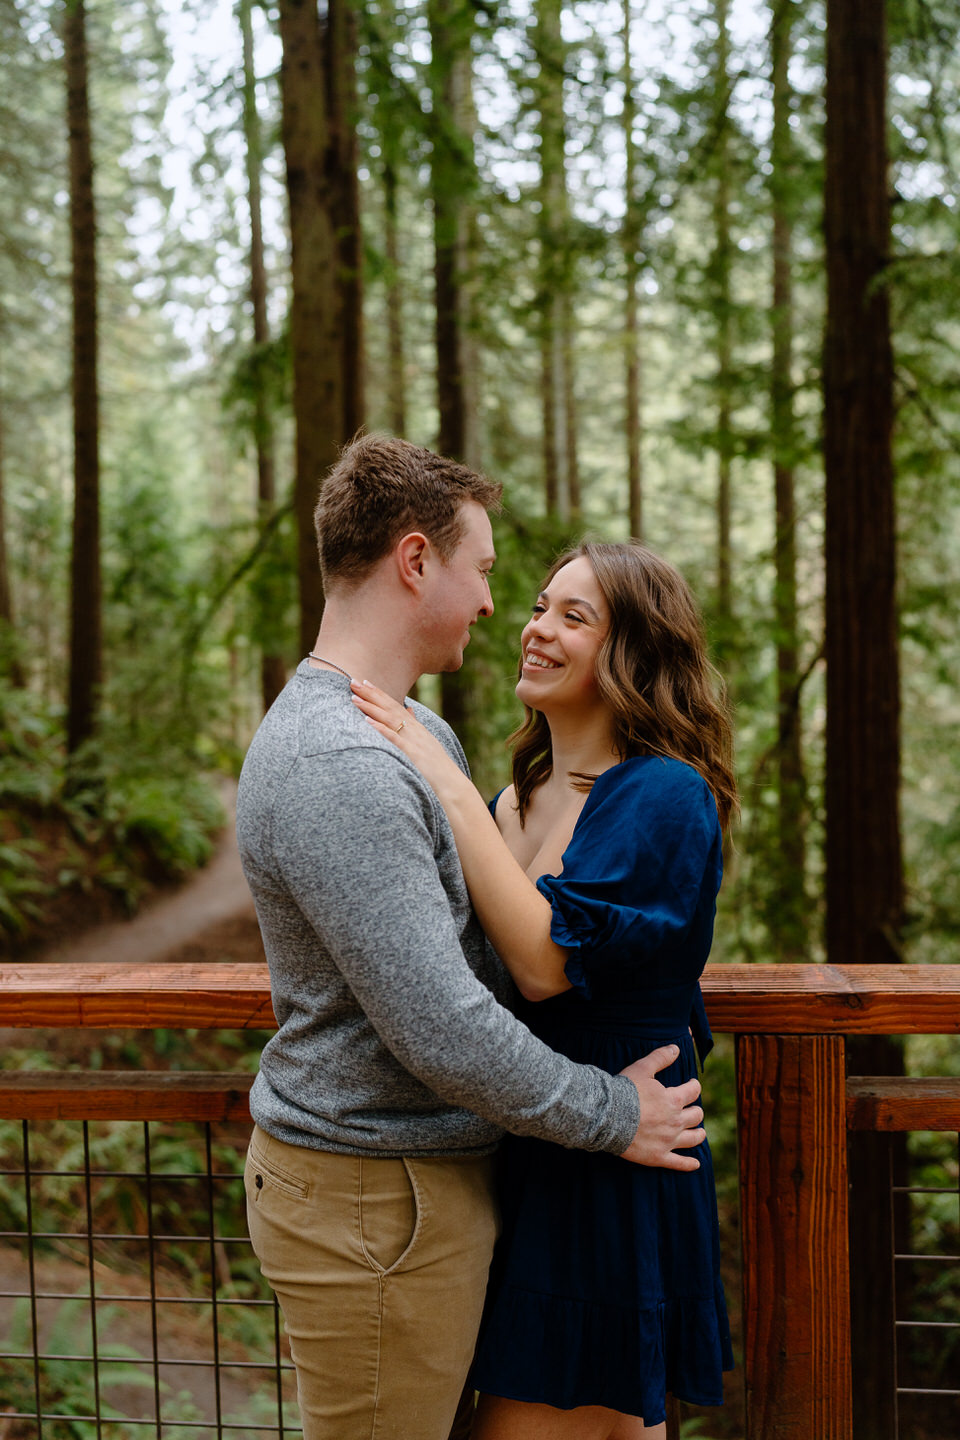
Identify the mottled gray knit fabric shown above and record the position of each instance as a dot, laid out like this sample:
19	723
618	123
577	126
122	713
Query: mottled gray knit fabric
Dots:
392	1037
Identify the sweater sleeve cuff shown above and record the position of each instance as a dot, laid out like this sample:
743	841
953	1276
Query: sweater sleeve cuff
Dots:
624	1117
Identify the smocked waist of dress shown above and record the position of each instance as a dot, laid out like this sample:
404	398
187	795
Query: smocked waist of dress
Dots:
665	1014
661	1013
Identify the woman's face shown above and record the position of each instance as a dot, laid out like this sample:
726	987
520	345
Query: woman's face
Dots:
560	644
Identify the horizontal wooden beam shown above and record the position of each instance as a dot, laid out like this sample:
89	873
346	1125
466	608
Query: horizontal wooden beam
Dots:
824	999
123	1095
145	997
896	1102
741	999
874	1102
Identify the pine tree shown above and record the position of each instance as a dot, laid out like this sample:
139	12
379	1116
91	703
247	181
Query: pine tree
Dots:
792	909
723	300
558	390
272	670
631	239
10	666
452	183
864	880
85	587
389	117
324	325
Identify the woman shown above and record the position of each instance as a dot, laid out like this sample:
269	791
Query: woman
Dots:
605	1290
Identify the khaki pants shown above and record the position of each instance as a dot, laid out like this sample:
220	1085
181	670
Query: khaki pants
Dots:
380	1267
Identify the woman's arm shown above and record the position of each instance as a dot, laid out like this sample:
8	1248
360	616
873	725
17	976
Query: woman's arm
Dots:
515	916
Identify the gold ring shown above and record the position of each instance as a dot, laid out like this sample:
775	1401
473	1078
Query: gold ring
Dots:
400	726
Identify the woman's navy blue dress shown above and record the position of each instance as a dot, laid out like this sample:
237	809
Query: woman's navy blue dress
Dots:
605	1287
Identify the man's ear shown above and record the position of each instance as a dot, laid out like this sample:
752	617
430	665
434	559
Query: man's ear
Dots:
410	554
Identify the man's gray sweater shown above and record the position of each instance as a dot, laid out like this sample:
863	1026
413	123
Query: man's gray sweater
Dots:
392	1036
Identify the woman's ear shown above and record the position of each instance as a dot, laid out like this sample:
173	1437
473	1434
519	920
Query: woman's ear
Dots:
410	554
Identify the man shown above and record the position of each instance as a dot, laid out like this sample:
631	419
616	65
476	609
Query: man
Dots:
395	1067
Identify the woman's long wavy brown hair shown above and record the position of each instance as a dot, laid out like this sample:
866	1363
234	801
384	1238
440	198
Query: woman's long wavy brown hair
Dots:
653	673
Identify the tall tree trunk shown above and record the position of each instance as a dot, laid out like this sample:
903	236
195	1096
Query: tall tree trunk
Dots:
558	386
321	389
85	588
272	671
723	301
341	89
453	178
389	115
10	665
396	361
864	869
791	923
864	881
570	408
630	239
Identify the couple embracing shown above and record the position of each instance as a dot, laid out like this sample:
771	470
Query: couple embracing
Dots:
443	972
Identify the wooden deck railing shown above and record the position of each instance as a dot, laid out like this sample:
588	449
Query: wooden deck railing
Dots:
795	1107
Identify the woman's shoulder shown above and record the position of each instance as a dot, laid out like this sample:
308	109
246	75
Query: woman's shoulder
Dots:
649	774
503	807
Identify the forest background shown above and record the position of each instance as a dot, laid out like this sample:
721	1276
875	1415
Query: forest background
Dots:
581	246
686	271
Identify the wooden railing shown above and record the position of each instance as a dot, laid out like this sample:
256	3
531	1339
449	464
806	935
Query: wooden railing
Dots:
795	1107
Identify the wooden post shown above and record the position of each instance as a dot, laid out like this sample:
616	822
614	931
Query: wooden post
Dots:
793	1195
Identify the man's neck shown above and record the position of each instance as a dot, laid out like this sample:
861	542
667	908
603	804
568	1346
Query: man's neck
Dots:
350	642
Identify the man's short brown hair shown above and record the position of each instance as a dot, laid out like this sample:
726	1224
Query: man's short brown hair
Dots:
382	488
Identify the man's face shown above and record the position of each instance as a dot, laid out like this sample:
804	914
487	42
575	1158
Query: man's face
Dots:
459	592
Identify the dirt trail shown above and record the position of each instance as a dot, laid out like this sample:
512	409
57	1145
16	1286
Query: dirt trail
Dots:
211	917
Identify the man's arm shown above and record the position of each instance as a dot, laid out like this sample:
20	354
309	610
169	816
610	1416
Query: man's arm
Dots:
355	836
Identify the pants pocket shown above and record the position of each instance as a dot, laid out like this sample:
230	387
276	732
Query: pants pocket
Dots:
389	1212
259	1172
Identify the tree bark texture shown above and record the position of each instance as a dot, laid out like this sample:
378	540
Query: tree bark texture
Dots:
793	1206
85	586
316	320
272	670
864	882
792	910
864	879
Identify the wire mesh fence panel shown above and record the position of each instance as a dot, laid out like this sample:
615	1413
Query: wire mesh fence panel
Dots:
927	1289
130	1299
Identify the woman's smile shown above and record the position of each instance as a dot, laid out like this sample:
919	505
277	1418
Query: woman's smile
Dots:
536	661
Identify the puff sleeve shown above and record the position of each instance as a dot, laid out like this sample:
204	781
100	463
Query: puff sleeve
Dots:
636	895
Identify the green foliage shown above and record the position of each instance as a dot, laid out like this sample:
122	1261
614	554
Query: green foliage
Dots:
22	887
125	816
67	1386
173	821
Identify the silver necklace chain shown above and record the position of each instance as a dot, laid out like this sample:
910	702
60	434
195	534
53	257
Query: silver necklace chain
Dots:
312	656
